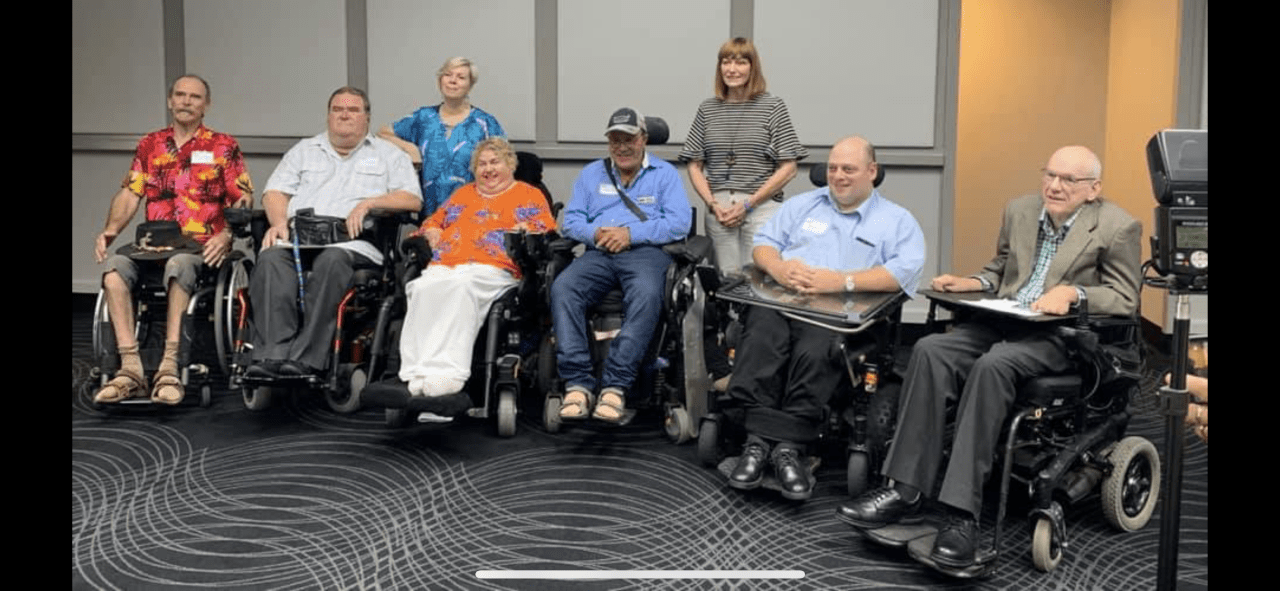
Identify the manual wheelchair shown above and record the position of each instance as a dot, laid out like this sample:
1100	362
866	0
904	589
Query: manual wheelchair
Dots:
1065	442
208	324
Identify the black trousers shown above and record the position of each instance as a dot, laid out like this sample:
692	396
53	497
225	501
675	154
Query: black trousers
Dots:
784	374
279	330
982	365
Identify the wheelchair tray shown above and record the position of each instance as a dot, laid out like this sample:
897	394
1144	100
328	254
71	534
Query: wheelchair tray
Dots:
760	289
974	300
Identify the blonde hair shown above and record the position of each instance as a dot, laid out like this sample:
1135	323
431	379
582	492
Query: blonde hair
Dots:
499	146
740	47
454	62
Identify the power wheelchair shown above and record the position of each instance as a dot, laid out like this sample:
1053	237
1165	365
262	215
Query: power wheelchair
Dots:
363	334
513	346
672	375
208	319
1065	441
862	414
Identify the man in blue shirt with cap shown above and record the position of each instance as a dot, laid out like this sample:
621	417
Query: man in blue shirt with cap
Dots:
845	237
624	208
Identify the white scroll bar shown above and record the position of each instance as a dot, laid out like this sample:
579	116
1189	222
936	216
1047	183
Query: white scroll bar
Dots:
598	575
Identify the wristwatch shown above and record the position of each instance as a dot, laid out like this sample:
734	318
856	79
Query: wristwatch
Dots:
848	283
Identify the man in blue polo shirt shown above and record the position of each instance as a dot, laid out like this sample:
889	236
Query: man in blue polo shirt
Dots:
842	238
624	208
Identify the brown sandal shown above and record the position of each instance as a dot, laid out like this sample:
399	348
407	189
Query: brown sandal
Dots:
576	409
167	389
126	384
619	409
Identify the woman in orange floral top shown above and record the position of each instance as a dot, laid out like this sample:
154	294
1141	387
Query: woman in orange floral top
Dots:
469	269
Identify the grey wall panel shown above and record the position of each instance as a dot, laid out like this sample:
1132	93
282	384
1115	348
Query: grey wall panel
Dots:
96	179
658	57
866	67
272	64
410	39
117	66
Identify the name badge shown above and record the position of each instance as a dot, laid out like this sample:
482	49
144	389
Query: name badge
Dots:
815	226
646	199
608	189
369	166
202	157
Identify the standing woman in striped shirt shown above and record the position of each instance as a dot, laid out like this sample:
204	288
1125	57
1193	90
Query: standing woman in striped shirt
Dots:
741	151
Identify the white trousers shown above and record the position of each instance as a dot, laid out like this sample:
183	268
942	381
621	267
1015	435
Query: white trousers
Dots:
446	309
733	245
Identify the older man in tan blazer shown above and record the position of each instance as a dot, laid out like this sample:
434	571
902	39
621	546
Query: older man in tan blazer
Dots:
1056	249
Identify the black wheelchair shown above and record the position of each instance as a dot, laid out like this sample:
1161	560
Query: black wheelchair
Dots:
512	350
672	375
862	414
208	324
363	335
1065	442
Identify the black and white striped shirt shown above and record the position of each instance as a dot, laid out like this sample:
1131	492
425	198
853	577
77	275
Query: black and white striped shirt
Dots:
754	136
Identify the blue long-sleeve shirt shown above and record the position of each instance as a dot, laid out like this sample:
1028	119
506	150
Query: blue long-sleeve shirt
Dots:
657	190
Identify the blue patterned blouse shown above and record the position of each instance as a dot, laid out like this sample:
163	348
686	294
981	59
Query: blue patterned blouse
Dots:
446	161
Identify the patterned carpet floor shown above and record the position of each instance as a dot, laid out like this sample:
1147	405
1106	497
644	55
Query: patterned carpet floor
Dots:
299	497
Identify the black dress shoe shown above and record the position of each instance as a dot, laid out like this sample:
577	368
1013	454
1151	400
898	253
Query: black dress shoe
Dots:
878	508
955	544
750	470
792	473
297	369
267	368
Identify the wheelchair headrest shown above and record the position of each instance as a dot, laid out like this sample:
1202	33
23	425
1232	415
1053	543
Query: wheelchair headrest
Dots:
658	131
818	175
528	168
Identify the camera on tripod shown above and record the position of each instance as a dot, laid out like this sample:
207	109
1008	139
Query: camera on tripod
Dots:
1178	160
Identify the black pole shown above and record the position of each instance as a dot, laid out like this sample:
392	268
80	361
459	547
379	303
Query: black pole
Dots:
1174	405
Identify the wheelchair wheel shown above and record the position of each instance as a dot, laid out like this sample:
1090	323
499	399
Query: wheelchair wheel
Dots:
351	380
206	396
398	418
551	414
506	412
545	379
709	441
101	331
1129	493
678	425
232	277
857	473
1046	552
258	398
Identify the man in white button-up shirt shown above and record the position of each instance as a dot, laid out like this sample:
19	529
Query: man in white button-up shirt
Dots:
342	173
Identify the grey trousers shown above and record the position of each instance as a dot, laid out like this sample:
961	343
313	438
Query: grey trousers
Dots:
280	331
983	366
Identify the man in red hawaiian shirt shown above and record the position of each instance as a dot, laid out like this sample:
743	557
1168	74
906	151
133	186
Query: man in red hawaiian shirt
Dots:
186	173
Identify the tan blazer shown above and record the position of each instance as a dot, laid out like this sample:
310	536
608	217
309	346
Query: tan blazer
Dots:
1102	254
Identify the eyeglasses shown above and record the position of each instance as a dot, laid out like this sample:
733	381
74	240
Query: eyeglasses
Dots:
1067	181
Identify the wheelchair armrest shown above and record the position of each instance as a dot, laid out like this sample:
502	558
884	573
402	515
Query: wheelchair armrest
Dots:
690	250
244	221
416	250
384	215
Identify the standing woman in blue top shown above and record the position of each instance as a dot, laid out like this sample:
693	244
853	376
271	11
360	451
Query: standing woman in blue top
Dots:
442	137
741	151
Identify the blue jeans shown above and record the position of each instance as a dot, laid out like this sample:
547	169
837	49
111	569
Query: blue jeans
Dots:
641	273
